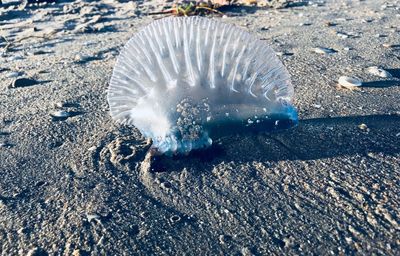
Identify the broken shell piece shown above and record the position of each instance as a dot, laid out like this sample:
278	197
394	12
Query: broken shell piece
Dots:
322	50
364	127
379	72
61	114
349	82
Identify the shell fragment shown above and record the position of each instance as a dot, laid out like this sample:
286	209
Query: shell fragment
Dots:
379	72
349	82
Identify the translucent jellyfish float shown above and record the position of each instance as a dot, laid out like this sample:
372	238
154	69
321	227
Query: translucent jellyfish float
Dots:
183	81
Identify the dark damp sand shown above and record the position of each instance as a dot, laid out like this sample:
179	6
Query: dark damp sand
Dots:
83	185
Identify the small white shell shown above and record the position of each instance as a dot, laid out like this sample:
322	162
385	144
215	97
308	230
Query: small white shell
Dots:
349	82
323	50
61	114
379	72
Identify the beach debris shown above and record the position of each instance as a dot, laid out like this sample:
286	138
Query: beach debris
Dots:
387	45
193	8
323	50
284	53
91	217
175	218
380	35
23	82
349	82
375	70
81	58
13	74
363	127
342	35
61	114
330	24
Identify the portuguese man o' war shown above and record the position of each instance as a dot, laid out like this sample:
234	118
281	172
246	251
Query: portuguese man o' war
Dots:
185	80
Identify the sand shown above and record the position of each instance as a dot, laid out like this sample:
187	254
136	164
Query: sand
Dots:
83	185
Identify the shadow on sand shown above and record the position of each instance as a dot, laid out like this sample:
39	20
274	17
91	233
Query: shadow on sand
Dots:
312	139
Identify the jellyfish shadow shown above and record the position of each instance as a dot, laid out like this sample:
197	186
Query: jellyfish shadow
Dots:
312	139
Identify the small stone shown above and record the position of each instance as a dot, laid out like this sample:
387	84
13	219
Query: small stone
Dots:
23	82
374	70
330	24
342	35
322	50
349	82
80	58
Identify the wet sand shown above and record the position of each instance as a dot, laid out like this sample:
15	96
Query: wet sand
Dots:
82	185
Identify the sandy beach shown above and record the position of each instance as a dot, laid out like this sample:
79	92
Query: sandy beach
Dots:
74	182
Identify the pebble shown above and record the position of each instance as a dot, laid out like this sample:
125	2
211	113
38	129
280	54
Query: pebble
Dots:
322	50
80	58
374	70
61	114
23	82
330	24
349	82
342	35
